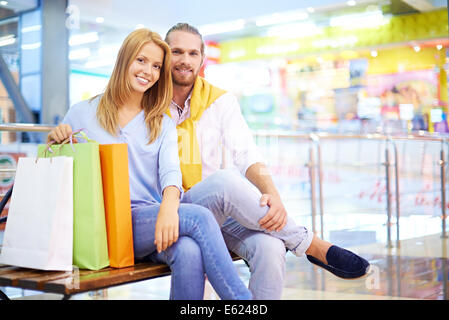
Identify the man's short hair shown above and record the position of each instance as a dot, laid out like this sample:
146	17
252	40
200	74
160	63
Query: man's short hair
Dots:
182	26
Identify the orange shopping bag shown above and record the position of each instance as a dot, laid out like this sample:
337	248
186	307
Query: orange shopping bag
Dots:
117	204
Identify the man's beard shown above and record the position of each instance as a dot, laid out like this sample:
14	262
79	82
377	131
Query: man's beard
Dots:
184	81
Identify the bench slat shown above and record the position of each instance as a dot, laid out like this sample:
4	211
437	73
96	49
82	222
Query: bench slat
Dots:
78	281
107	278
12	278
8	269
38	282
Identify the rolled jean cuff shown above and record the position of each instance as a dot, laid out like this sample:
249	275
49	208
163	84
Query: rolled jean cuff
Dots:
303	245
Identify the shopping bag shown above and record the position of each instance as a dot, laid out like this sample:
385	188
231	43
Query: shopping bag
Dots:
90	249
39	230
117	203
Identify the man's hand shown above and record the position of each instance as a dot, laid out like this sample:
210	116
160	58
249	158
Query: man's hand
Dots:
276	217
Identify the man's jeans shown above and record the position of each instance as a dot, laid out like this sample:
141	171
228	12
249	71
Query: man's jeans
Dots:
234	202
200	249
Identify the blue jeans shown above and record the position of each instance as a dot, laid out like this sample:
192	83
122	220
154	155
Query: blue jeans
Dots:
234	202
200	249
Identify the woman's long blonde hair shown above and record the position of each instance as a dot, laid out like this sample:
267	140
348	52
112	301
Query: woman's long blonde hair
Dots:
156	99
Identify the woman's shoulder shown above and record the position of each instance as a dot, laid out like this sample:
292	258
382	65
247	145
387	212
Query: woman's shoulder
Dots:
88	104
82	111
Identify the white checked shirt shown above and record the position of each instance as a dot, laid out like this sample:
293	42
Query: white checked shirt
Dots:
222	124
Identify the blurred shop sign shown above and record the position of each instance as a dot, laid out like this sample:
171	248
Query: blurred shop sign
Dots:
397	29
8	160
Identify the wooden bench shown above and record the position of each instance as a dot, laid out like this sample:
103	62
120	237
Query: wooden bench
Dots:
79	281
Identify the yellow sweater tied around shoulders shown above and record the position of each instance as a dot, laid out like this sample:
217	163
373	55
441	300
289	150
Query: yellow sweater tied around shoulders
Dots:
203	95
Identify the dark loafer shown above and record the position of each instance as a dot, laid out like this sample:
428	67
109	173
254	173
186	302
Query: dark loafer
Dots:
342	263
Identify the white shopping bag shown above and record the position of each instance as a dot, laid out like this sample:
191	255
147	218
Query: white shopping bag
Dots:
39	230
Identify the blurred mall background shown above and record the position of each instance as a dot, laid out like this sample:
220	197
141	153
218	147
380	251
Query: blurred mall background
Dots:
327	65
348	100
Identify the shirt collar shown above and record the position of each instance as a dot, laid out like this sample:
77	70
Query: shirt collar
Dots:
186	103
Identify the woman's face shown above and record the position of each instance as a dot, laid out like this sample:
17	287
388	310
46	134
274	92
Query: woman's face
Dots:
145	70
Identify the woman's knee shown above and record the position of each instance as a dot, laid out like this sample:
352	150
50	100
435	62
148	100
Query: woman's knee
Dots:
199	215
184	252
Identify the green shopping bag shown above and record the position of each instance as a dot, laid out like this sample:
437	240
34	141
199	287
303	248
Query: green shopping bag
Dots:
90	248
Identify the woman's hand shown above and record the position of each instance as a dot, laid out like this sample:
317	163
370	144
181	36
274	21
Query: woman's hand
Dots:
60	133
167	223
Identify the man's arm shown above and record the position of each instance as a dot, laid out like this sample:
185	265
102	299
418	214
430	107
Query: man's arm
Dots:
276	217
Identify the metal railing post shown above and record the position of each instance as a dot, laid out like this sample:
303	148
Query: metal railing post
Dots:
445	271
320	187
397	193
311	166
388	193
442	163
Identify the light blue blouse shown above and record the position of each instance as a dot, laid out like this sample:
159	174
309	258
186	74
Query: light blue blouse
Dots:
152	167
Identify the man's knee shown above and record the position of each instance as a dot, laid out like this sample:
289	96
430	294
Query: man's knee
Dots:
223	179
269	252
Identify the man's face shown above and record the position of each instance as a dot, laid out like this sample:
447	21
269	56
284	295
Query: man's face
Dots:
186	58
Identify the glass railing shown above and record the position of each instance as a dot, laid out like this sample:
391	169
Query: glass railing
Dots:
358	189
347	188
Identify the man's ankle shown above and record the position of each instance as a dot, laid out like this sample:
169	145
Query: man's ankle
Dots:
318	248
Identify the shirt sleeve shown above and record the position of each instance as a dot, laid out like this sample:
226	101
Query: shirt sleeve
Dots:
79	117
68	118
169	168
73	117
236	135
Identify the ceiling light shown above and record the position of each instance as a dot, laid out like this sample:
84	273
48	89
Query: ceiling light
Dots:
311	9
31	46
83	38
374	53
99	19
99	63
439	46
31	28
417	48
223	27
79	54
363	20
277	18
294	30
7	40
3	3
351	3
109	50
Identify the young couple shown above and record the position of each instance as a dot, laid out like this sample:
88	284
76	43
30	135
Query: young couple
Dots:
190	220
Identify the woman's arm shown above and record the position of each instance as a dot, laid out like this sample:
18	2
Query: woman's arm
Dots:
167	224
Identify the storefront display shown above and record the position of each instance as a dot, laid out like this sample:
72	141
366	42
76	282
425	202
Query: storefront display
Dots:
392	74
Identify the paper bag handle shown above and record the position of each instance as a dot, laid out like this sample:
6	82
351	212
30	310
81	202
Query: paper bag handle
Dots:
78	134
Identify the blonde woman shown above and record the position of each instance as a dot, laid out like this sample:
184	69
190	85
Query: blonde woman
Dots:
131	110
